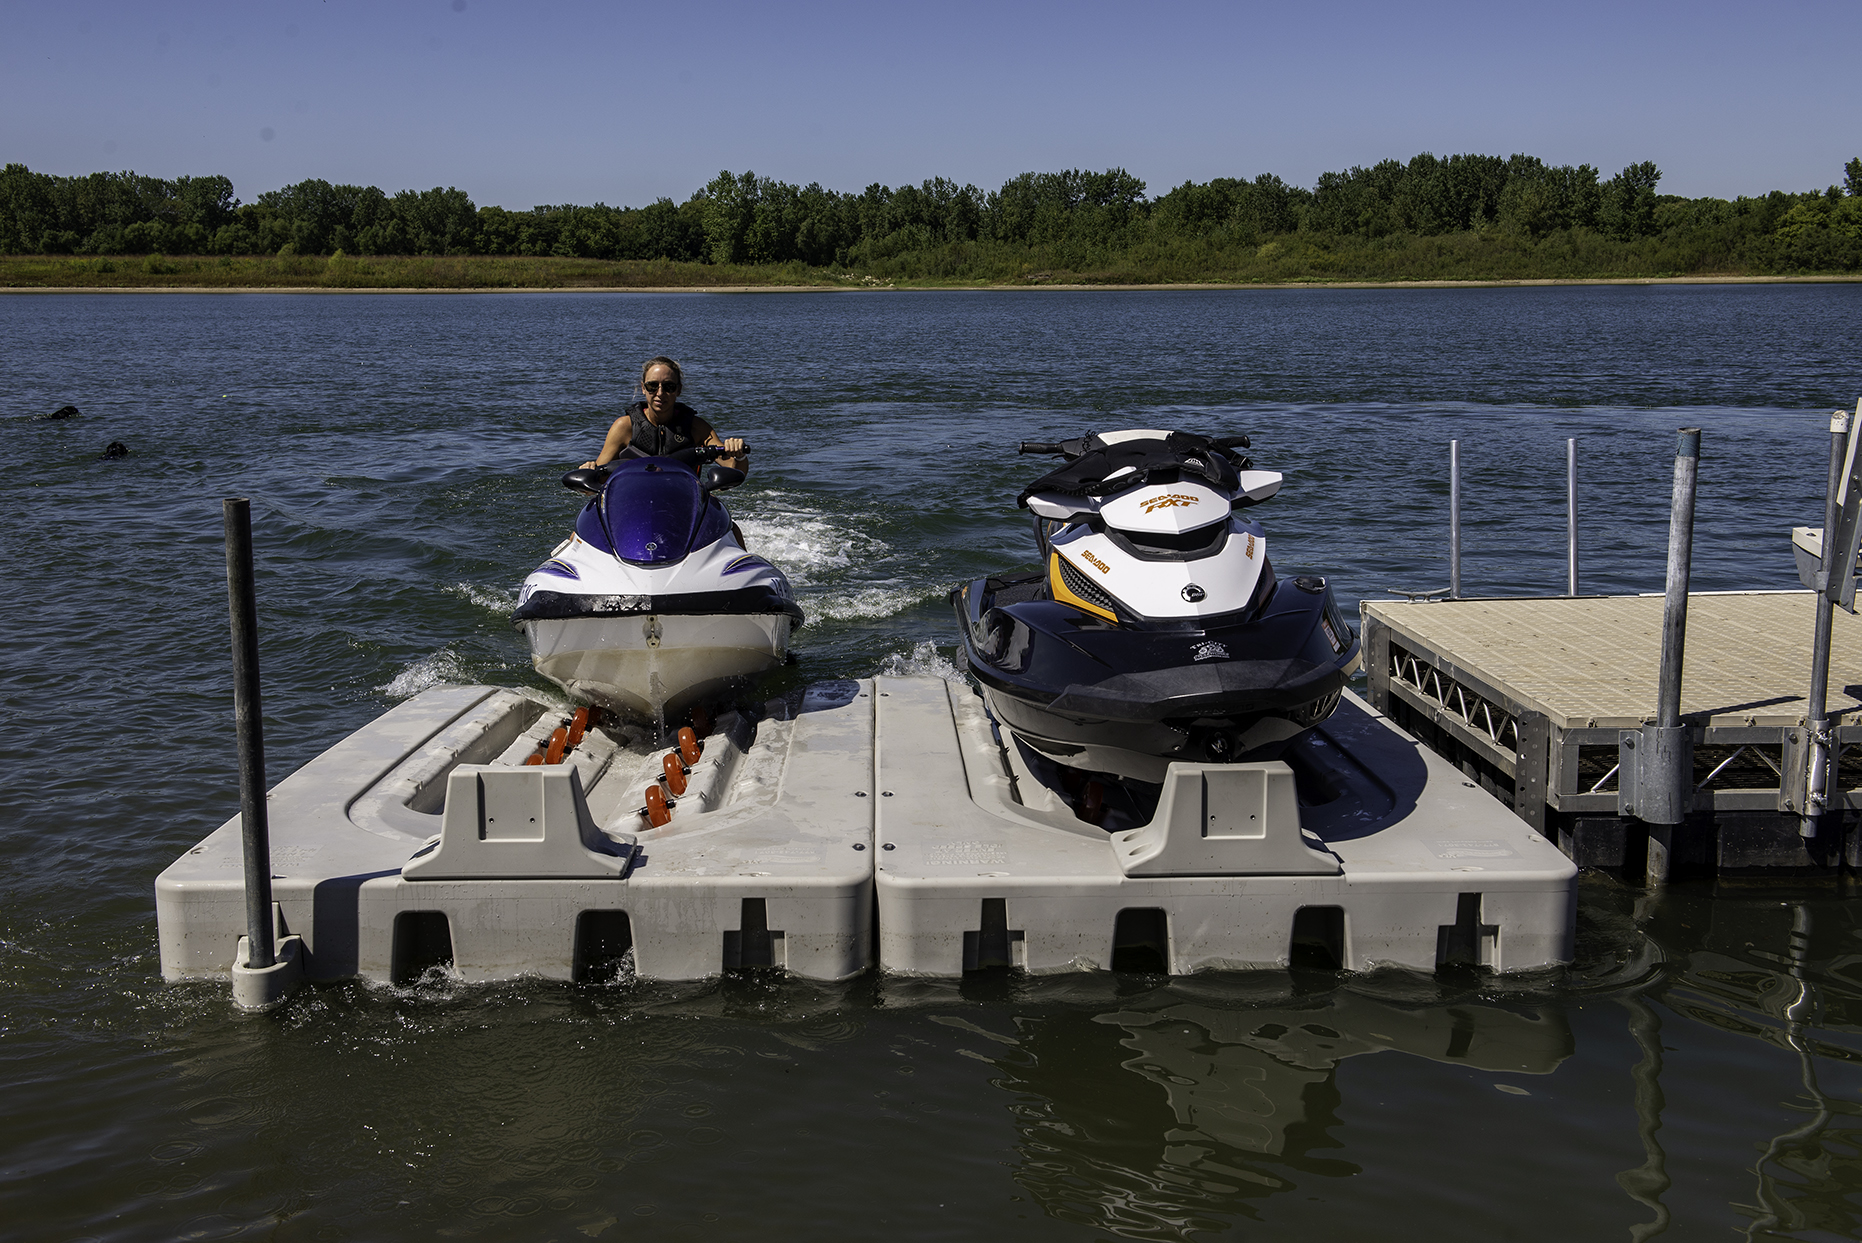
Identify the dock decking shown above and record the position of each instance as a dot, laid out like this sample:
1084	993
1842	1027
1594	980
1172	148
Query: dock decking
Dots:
1532	693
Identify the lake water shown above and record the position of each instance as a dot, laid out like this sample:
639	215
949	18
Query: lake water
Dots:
1698	1073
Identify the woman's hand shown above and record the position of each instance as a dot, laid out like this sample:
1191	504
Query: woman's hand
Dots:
589	465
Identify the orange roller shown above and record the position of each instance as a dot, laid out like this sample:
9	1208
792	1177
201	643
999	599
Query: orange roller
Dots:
675	772
701	721
594	715
657	812
578	725
559	742
688	746
1093	803
535	758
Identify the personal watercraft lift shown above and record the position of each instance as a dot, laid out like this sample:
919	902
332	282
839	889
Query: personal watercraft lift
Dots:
426	838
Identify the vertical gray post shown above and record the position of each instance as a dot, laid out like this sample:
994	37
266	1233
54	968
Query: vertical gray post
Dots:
1816	711
1680	560
1454	520
255	833
1571	517
1656	778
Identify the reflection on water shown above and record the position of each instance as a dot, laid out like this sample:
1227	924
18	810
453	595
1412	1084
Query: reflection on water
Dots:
1172	1113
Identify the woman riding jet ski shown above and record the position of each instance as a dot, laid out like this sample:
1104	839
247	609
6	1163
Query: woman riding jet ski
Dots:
652	605
1157	630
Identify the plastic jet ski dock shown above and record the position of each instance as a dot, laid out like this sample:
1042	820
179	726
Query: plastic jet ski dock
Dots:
872	823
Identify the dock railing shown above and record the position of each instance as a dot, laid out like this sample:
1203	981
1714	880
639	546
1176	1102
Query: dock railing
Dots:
1745	773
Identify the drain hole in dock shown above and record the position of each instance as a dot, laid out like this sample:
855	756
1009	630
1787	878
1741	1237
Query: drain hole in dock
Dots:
1318	942
1467	942
1141	941
754	944
994	943
422	939
603	940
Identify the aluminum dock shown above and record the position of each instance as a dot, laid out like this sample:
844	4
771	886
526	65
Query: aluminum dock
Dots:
1530	697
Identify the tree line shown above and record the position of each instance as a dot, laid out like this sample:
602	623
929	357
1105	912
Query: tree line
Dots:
1072	219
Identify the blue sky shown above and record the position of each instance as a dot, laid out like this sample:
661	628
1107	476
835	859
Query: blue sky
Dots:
526	103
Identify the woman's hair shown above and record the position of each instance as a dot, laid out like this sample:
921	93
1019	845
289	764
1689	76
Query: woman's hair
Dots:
678	376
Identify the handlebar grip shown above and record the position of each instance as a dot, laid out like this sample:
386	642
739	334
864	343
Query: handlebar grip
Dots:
1231	442
1039	446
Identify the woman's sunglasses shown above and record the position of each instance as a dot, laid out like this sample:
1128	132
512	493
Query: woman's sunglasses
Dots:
654	386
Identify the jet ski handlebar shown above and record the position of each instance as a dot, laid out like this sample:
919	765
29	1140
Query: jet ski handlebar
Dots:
1074	448
702	453
590	478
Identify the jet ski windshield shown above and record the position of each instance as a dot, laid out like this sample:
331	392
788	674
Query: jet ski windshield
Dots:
654	511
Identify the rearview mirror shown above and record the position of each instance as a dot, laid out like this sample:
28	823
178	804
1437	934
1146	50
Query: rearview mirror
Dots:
716	478
586	479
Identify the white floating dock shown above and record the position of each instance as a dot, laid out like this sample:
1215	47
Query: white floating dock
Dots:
424	838
1396	858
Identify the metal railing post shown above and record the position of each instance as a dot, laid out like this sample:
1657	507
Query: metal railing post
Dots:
1454	520
1816	710
1571	517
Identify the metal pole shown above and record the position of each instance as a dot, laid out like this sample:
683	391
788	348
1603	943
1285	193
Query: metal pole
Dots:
1816	712
1454	520
1680	560
1571	517
255	834
1656	781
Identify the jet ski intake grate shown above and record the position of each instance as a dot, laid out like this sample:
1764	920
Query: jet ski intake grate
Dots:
1083	587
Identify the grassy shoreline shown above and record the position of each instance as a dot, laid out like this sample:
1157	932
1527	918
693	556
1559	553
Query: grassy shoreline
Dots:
492	274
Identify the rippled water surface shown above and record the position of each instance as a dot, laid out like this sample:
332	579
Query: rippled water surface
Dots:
1695	1075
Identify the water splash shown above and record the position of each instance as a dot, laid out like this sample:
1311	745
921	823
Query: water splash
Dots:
924	660
441	668
493	599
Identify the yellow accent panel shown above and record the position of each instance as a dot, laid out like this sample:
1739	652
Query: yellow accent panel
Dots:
1058	586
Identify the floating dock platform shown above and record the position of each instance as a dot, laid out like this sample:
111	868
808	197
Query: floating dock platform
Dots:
1528	696
865	824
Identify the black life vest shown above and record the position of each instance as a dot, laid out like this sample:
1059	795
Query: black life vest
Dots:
649	439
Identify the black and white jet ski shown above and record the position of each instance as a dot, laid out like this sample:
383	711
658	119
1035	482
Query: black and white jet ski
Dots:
652	605
1156	630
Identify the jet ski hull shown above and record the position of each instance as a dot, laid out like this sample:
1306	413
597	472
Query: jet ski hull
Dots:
656	665
1128	700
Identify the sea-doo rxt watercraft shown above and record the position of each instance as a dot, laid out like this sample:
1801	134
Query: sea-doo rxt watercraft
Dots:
652	605
1157	630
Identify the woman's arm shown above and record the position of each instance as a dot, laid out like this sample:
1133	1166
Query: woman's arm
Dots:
737	459
619	437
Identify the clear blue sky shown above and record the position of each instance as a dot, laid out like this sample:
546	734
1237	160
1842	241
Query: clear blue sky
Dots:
578	102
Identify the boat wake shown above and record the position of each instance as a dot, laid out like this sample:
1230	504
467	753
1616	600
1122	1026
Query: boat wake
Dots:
831	560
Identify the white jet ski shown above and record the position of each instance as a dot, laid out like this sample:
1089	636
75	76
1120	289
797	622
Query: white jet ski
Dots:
1156	629
652	606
